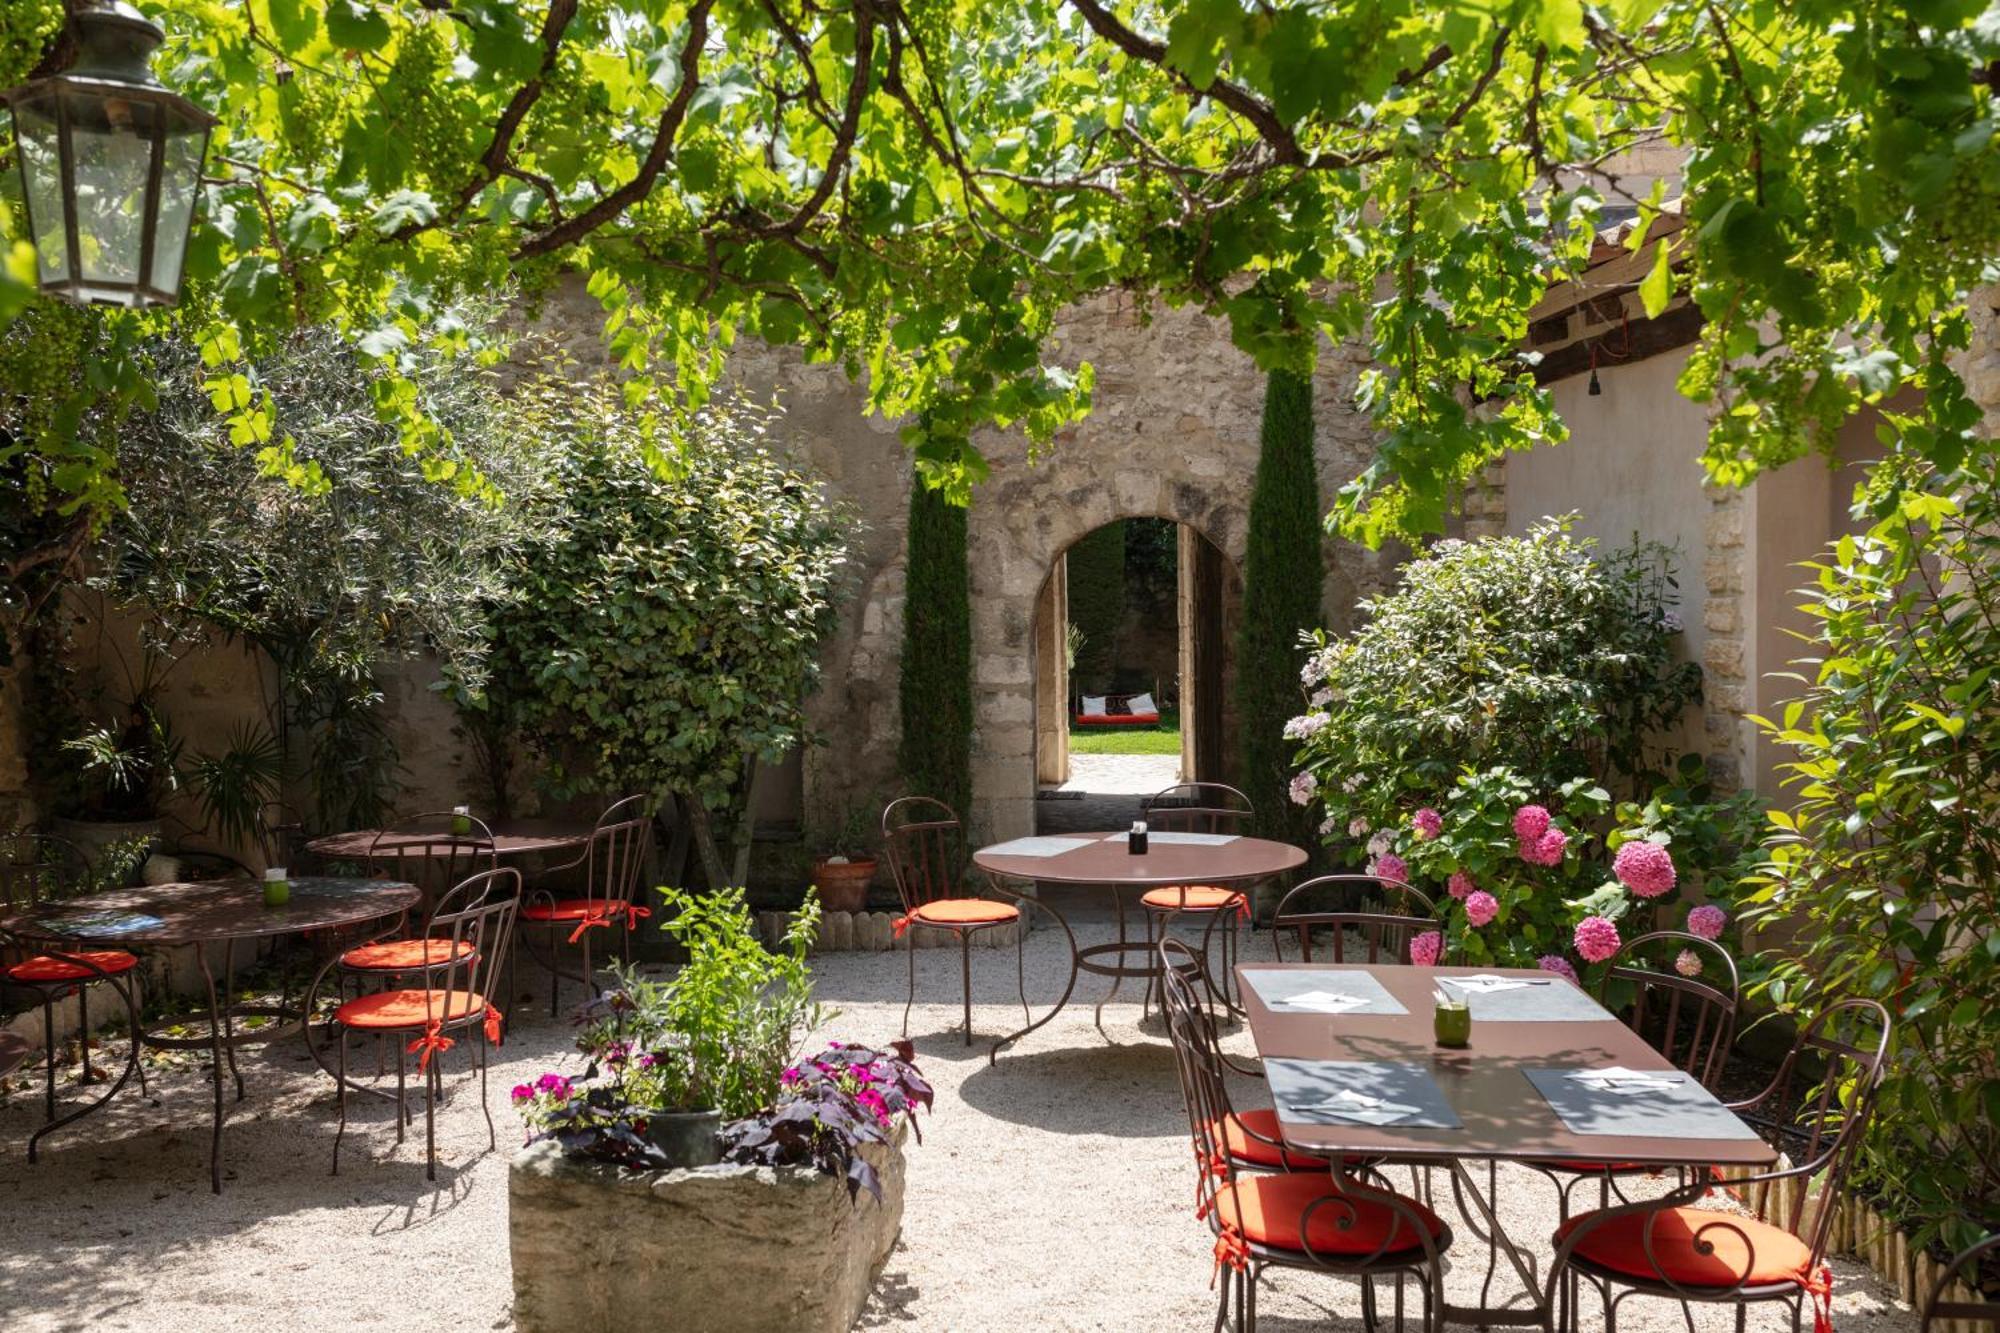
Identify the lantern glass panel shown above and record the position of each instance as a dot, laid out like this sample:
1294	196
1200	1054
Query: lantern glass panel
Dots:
180	181
36	135
111	142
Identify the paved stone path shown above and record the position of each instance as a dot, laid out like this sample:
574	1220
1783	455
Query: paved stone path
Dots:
1111	786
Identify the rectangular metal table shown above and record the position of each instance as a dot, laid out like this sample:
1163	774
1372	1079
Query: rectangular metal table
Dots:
1501	1113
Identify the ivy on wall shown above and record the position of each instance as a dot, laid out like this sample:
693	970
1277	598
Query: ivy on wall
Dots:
1282	573
935	754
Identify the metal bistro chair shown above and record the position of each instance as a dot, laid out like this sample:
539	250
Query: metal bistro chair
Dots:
433	851
475	922
1199	807
35	870
1386	913
1250	1137
610	866
1669	1248
1964	1263
925	842
1690	1018
1317	1221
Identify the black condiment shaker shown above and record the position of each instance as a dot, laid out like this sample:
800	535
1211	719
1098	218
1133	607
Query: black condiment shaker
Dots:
1135	841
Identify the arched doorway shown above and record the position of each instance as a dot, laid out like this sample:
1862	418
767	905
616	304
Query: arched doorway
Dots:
1134	620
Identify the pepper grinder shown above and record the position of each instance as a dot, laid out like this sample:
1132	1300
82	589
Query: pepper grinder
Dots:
1135	841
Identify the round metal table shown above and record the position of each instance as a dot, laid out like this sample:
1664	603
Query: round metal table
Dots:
1103	860
511	837
216	912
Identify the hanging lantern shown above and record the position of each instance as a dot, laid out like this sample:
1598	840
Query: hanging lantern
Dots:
110	166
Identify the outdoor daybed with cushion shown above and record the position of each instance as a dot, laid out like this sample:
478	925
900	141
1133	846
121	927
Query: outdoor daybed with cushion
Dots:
1116	710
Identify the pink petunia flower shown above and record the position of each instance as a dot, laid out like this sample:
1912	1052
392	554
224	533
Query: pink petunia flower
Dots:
1481	907
1530	823
1425	948
1644	867
522	1092
1460	884
1428	823
1390	866
1707	921
1688	964
1556	963
1596	939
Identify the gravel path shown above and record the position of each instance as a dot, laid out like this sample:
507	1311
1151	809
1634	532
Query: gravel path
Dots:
1050	1192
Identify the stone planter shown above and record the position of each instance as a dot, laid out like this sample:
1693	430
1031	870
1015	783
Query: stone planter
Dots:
726	1249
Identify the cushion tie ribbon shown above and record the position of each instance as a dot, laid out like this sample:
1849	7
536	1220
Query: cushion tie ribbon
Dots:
635	914
903	923
1231	1250
495	1024
1819	1286
596	916
432	1042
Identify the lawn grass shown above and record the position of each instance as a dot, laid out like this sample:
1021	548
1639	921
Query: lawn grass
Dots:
1164	738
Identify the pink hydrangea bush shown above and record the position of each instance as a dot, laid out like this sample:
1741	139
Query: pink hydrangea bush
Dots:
1707	921
1459	885
1595	939
1530	823
1644	867
1481	907
1556	963
1428	824
1390	866
1425	948
1688	964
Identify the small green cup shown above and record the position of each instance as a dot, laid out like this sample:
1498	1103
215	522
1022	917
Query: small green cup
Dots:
1453	1025
277	892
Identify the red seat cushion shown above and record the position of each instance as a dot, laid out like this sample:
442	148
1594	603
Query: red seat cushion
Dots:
396	1009
1192	898
1744	1250
964	912
44	968
571	909
1267	1211
1252	1136
404	955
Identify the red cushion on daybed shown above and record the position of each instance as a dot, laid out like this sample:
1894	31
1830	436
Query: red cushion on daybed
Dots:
1115	719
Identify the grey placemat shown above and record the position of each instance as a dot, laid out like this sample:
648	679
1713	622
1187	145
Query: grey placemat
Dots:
1684	1111
1303	1088
1556	1002
1276	985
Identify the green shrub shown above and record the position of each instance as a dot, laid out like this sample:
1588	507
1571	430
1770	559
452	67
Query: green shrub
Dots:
1530	653
1886	871
1095	570
935	753
661	627
1282	573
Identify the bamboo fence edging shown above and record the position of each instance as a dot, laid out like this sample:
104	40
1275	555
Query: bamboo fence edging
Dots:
1862	1233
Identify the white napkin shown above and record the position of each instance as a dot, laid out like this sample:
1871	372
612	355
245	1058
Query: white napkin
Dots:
1622	1080
1360	1107
1039	846
1485	983
1320	1002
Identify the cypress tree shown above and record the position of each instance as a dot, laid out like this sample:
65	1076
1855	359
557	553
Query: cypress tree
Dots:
1282	574
936	750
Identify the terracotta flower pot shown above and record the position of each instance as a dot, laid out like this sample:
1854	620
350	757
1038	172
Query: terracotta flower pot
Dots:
843	882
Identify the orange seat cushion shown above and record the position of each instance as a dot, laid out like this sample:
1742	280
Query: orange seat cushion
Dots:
404	955
571	909
1268	1209
395	1009
1252	1136
44	968
1771	1255
1193	898
964	912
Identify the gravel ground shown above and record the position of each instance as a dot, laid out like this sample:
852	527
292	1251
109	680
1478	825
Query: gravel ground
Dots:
1051	1191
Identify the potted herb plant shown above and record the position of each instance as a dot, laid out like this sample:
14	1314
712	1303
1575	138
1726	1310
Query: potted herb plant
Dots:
844	873
805	1203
